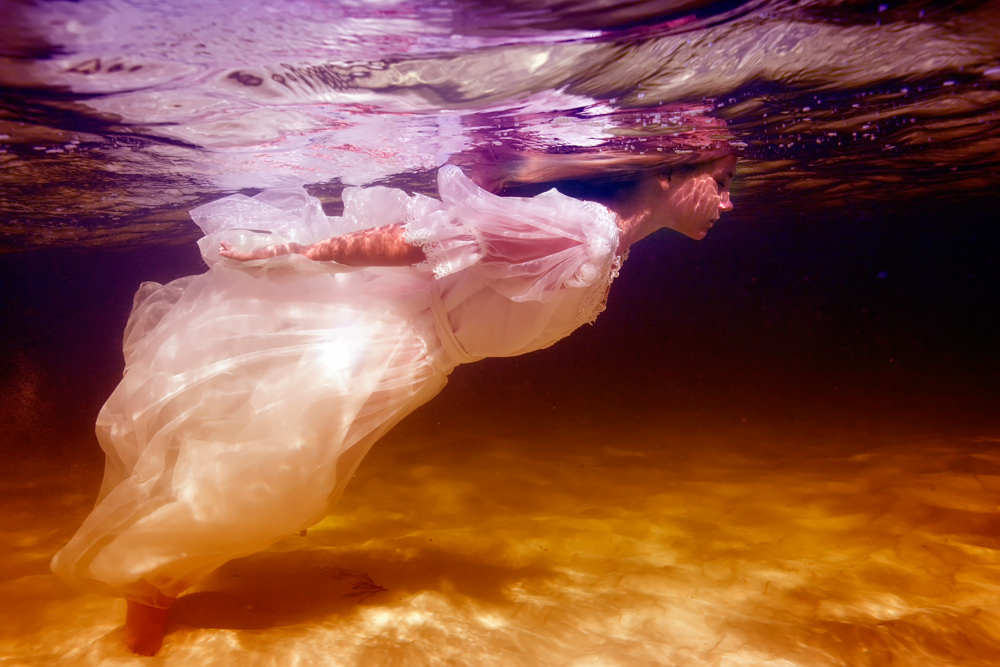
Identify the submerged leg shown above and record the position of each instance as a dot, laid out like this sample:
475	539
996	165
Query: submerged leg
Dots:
144	628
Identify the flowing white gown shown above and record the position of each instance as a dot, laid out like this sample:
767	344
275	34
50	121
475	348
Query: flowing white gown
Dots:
251	392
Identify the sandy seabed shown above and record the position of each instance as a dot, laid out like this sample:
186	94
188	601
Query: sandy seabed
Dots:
556	543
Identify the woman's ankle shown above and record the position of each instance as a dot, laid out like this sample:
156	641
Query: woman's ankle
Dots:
144	628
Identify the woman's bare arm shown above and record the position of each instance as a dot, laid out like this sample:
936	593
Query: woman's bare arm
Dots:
380	246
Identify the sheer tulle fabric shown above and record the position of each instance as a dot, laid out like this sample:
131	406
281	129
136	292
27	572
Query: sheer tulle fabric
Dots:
252	392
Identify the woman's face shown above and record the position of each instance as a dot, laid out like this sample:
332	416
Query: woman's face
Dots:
694	200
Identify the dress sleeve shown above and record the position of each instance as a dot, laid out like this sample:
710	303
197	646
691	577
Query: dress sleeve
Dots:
527	249
531	248
448	244
280	215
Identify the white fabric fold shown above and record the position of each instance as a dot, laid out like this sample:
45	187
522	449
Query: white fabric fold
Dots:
251	392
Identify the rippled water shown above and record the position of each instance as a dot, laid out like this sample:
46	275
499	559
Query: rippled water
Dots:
118	116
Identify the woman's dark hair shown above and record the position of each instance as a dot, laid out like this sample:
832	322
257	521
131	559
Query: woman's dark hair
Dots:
591	189
607	186
628	147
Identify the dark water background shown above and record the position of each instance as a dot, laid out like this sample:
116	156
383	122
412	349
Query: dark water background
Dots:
855	282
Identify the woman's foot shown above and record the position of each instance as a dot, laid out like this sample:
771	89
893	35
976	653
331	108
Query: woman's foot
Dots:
144	628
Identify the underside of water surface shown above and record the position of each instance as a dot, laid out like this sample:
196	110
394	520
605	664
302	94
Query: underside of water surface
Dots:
119	115
777	446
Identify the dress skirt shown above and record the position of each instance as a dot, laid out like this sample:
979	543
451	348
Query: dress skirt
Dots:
246	406
251	392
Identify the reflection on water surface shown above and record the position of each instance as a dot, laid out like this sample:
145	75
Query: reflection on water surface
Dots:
119	115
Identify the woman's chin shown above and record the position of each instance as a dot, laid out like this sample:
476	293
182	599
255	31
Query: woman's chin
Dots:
701	233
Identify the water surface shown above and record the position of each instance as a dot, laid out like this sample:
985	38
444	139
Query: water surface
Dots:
119	115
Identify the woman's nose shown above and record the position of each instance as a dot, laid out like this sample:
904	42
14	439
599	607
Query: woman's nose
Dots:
724	203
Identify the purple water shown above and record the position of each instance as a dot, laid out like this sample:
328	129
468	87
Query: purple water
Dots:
120	115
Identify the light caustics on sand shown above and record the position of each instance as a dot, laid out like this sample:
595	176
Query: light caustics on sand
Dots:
727	548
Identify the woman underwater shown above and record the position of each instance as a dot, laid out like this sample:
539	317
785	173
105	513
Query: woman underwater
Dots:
252	392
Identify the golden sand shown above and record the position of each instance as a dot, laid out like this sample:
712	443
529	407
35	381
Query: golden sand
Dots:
634	543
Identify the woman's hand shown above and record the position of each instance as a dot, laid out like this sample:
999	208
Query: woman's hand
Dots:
226	249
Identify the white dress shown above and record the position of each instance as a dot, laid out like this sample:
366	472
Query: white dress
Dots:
251	392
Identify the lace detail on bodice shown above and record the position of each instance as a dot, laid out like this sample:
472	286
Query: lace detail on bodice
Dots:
439	235
437	259
596	299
